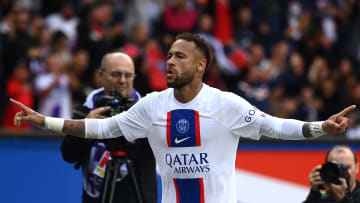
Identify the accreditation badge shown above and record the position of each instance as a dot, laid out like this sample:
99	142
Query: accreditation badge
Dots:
101	166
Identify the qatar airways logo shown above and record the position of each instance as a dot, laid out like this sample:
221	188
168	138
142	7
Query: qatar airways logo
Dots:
188	162
182	126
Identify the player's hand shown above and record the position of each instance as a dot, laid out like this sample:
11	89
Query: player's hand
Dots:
27	115
315	179
338	192
98	112
338	123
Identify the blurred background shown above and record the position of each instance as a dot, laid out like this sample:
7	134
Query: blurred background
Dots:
290	58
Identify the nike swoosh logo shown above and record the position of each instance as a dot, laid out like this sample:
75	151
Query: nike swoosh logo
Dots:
180	140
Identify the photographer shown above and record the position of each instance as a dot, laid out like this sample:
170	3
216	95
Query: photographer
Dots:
117	75
335	181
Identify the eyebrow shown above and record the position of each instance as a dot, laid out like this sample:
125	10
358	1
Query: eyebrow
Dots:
176	53
117	71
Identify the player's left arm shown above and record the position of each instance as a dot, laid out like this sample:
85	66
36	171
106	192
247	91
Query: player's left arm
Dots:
294	129
336	124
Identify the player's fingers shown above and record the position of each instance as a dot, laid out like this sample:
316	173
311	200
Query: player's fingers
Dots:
344	122
19	104
332	127
16	120
346	110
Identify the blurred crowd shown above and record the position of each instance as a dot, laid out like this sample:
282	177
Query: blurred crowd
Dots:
290	58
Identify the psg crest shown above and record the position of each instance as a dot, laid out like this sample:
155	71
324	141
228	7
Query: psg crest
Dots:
182	126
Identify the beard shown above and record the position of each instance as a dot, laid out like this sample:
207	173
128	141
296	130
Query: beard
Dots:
180	82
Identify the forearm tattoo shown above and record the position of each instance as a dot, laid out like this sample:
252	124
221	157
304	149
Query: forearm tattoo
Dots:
74	127
306	130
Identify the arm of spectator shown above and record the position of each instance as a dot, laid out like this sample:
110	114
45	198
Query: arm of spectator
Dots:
46	91
98	112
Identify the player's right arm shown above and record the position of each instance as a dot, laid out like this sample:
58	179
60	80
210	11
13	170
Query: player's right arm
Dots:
132	124
72	127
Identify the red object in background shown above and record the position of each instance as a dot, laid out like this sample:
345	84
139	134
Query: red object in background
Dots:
132	50
239	58
157	79
157	75
20	91
180	21
287	165
223	22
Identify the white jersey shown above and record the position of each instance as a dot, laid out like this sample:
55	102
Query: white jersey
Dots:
194	143
58	102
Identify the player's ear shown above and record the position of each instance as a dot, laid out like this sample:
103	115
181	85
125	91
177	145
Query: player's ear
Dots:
201	65
100	72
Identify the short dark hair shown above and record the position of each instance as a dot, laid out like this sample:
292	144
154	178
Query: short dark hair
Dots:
341	146
200	43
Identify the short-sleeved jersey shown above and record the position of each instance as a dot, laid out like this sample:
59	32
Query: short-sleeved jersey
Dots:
194	143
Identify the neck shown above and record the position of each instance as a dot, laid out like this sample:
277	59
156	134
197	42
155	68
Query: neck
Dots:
187	93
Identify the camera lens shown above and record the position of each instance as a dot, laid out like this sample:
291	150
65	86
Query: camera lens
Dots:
331	172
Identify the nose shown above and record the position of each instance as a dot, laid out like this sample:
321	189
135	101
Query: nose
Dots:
122	78
170	62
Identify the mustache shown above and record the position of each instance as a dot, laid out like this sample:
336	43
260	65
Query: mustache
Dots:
170	70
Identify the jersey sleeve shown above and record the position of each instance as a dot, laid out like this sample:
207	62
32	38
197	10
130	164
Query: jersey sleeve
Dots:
135	122
242	118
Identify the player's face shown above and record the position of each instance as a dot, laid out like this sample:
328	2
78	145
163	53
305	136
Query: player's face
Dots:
346	157
181	63
119	74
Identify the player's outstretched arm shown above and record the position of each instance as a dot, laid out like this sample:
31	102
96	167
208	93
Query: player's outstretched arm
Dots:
336	124
27	115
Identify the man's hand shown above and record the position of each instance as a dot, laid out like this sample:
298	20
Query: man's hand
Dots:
315	179
338	123
98	112
337	192
27	115
72	127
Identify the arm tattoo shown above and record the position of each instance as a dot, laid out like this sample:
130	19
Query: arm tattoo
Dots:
74	127
306	130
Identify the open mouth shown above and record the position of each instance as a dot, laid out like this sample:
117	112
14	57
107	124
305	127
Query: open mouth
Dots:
170	72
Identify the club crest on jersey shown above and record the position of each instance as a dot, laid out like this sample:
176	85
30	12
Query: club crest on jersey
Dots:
183	128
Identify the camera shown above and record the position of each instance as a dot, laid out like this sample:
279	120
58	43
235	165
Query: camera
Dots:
118	104
330	172
116	101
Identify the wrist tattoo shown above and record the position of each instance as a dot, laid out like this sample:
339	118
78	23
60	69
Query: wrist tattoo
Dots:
306	130
74	127
313	129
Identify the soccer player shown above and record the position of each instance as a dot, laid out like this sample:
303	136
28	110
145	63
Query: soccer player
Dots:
193	129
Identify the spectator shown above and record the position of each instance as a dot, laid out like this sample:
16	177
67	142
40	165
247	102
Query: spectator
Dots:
17	41
18	86
117	72
180	16
76	72
347	190
53	89
65	21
